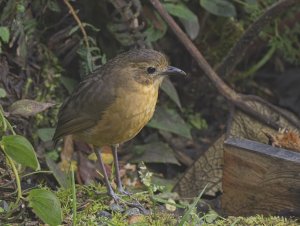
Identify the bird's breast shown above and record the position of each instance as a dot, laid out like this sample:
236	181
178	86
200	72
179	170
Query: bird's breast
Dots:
129	113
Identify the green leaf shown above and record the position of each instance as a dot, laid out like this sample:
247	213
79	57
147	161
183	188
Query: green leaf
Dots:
191	208
168	87
169	120
197	121
219	7
62	178
3	121
192	27
186	16
180	11
46	206
73	30
20	149
45	134
168	185
155	152
4	34
211	217
94	28
28	107
152	34
2	93
20	8
156	29
54	6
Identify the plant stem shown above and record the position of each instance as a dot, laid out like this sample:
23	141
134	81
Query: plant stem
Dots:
259	64
74	198
18	182
40	171
191	207
78	21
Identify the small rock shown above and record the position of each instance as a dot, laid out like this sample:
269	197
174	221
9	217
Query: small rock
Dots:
132	211
104	213
116	208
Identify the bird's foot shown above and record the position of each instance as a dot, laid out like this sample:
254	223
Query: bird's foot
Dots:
124	192
115	197
118	200
139	206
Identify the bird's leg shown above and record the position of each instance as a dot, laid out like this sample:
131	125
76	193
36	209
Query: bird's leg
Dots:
119	182
108	186
116	163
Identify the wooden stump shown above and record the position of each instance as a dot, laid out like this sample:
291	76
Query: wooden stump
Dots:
260	179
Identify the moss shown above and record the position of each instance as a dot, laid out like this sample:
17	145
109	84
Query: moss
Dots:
92	201
218	38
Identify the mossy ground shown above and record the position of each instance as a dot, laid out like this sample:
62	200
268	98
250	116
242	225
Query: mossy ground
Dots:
93	204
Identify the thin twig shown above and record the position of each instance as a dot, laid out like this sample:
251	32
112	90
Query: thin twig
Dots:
78	21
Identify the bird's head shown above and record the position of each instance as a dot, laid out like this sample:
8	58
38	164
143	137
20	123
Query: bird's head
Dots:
145	66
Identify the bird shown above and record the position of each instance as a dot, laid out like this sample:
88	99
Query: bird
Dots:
112	104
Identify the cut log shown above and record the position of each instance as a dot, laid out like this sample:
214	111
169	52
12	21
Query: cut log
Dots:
260	179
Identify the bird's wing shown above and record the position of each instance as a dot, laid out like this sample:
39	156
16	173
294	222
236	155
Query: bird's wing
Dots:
84	107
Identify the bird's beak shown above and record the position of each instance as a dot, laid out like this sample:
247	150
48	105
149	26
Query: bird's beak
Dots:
173	71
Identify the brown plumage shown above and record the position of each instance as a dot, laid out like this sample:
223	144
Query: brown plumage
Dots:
115	102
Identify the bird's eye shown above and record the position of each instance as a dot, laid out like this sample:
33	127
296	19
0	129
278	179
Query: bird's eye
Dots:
151	70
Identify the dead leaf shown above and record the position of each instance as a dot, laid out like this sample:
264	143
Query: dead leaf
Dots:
107	158
66	166
106	154
68	149
92	157
130	167
28	108
170	207
288	139
88	171
135	219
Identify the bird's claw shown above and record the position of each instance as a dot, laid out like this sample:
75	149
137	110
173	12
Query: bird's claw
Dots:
124	192
139	206
117	199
